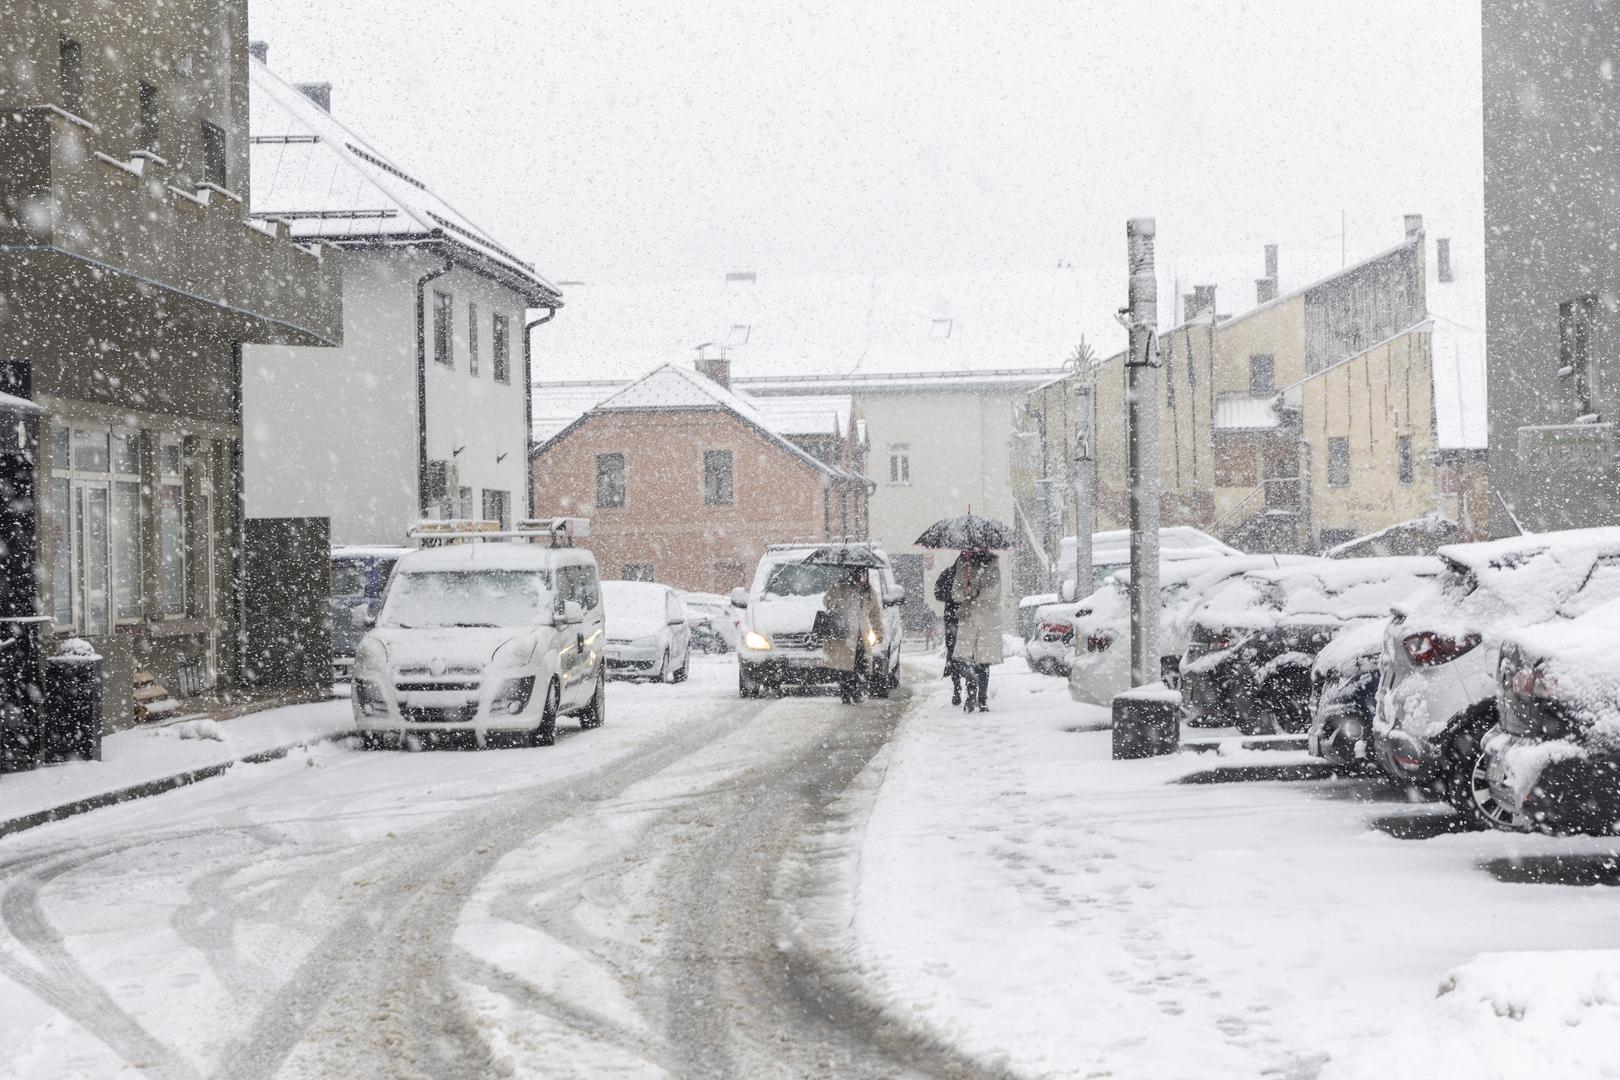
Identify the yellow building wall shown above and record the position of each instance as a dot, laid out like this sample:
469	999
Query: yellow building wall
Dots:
1373	399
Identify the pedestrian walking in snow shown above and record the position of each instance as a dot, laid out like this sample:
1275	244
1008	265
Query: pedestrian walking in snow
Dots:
850	628
942	593
976	588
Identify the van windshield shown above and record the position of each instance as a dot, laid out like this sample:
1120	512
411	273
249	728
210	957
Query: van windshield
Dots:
465	598
803	579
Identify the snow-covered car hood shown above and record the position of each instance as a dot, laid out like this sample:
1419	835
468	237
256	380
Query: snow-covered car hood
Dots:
434	646
784	614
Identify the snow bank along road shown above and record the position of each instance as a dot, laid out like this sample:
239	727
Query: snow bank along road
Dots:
622	904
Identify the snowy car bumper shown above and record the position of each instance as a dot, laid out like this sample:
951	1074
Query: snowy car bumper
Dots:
778	666
1049	657
1558	785
1341	727
631	658
383	707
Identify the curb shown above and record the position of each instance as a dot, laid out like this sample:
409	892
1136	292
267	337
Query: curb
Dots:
154	787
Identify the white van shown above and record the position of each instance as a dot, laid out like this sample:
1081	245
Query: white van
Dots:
776	645
487	633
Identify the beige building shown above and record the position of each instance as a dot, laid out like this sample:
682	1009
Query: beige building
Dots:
1347	406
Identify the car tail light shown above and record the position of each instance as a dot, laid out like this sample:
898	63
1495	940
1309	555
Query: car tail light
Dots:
1220	640
1054	630
1427	649
1099	641
1533	681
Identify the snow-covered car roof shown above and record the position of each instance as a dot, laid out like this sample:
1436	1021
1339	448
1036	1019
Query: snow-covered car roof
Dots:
1339	589
704	599
369	551
1355	648
1510	552
1579	655
491	556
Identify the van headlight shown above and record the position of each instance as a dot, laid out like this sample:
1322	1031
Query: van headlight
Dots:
514	654
756	640
369	699
513	696
370	655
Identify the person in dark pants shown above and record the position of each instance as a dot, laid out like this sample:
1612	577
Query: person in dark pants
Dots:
976	588
942	593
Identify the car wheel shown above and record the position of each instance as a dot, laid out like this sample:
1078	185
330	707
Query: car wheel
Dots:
546	733
1469	791
747	685
665	673
685	669
596	712
372	740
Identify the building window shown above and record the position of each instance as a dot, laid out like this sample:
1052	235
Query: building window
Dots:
172	527
464	503
146	125
1262	374
498	507
92	528
1403	454
213	146
1575	319
609	480
472	340
442	353
717	477
501	365
636	571
899	463
70	75
1338	463
126	525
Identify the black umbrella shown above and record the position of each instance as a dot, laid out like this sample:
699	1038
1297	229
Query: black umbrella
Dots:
844	555
969	532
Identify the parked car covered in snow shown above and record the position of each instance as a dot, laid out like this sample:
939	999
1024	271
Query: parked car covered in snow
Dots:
1553	761
778	645
359	576
1271	625
483	638
1100	666
647	635
1344	695
1029	606
1051	640
712	621
1438	669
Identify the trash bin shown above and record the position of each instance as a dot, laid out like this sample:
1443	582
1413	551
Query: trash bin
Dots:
73	703
1147	722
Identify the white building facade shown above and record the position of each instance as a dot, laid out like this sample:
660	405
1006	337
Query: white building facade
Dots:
424	410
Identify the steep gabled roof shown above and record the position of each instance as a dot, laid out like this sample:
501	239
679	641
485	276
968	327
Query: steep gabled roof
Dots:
674	388
330	184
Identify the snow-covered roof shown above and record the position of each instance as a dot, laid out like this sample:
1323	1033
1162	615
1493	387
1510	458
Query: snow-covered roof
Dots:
785	325
674	387
1243	412
558	404
330	184
11	403
815	414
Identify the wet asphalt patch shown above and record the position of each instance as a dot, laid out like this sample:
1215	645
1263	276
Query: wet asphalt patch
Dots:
1560	869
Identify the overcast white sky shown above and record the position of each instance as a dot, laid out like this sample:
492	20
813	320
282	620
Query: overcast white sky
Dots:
650	139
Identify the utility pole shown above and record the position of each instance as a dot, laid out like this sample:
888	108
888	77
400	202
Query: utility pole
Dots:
1082	487
1142	449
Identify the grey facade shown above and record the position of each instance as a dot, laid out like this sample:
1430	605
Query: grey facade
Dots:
1552	261
130	279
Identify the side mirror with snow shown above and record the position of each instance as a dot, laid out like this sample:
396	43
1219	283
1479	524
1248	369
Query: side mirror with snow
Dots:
571	615
739	598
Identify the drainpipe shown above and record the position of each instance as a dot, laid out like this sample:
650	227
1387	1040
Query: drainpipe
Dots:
421	385
528	405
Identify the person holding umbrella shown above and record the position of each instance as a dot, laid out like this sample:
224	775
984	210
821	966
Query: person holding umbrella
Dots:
973	597
942	593
976	588
850	628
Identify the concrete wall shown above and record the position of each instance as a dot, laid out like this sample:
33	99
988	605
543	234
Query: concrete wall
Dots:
333	432
665	522
1552	233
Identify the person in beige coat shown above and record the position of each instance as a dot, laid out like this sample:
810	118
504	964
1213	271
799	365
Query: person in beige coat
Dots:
977	592
854	607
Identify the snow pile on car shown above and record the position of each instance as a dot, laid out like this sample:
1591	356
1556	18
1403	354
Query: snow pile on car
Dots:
1353	650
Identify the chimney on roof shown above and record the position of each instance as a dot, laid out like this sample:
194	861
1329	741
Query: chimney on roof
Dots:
712	364
1202	301
1186	306
318	92
260	51
1271	262
1442	259
1265	290
1414	225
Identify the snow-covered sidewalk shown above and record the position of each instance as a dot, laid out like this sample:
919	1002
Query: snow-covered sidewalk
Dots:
1047	908
149	755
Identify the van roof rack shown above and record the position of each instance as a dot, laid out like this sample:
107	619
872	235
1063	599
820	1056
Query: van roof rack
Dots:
559	531
790	545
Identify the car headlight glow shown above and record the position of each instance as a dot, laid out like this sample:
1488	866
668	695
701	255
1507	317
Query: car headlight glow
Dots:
756	640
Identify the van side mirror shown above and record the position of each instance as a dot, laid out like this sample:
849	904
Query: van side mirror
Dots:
571	615
895	599
739	598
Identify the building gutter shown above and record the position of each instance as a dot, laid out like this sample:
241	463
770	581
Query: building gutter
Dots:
421	383
528	404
